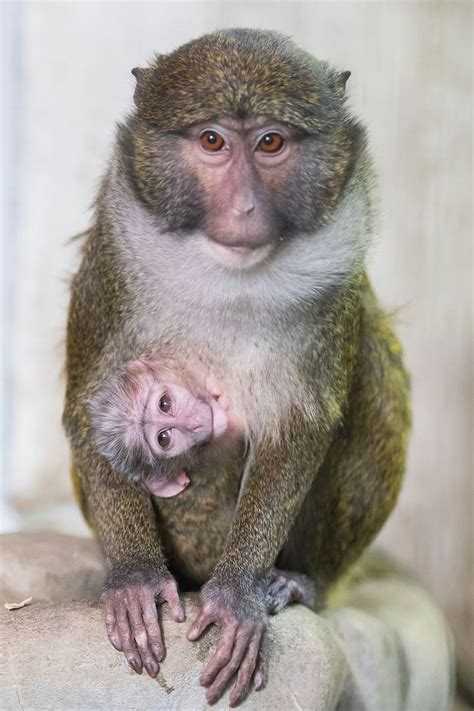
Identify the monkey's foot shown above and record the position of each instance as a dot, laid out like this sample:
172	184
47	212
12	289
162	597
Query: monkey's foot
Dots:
287	587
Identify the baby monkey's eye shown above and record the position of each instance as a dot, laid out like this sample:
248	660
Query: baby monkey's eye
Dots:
164	438
270	143
211	141
165	403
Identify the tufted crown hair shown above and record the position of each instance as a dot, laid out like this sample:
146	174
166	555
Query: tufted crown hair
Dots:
238	73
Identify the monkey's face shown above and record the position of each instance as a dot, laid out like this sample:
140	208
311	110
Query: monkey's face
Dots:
242	187
241	141
174	419
241	168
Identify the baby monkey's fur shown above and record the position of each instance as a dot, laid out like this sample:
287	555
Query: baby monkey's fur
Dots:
257	265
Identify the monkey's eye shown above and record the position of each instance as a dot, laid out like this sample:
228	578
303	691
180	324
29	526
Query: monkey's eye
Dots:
164	438
211	141
270	143
165	403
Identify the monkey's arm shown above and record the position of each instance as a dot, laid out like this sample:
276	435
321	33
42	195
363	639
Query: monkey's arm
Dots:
120	514
234	598
124	522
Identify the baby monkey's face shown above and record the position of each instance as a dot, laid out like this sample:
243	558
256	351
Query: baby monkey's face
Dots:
175	419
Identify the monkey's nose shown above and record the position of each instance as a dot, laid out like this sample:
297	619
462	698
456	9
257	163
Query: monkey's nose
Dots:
244	210
194	424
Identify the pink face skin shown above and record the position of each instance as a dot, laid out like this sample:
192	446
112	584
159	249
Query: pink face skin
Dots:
143	411
174	420
241	163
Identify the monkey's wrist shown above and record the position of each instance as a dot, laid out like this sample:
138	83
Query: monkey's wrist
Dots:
238	592
152	573
231	568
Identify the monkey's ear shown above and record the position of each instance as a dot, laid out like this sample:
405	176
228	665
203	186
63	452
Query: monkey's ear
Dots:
142	76
340	81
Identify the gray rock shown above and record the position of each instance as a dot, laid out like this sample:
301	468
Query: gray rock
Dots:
398	647
59	658
49	567
383	646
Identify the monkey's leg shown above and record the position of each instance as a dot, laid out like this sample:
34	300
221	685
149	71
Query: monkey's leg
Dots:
358	483
125	524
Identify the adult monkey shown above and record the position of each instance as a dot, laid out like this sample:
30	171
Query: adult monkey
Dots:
233	222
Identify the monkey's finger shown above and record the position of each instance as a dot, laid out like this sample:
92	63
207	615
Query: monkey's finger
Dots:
139	634
220	658
276	585
202	621
260	675
150	618
246	671
230	668
111	626
128	645
170	594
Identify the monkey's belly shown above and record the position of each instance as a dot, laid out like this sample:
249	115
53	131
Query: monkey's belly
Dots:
194	525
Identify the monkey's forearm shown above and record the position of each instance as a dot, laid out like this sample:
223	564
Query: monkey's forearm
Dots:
235	598
122	517
275	489
138	577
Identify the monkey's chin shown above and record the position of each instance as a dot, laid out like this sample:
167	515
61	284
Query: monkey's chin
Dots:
237	257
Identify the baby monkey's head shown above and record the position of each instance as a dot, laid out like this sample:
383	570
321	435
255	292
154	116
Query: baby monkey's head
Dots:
150	416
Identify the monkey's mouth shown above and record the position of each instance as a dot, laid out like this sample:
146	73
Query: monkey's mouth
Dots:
239	254
245	244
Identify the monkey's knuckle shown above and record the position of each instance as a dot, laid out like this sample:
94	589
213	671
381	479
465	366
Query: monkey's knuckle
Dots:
125	636
224	657
140	636
154	637
169	586
232	668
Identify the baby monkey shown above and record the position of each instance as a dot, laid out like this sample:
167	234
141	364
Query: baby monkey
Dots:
149	419
151	416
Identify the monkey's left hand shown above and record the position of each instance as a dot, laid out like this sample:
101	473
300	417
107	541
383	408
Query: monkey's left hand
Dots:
241	618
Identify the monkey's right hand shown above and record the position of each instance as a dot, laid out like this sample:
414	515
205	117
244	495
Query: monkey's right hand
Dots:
131	617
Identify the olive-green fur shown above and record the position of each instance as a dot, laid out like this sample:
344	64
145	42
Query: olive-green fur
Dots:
317	496
222	74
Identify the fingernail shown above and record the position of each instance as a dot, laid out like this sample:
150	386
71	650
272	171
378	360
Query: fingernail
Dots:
158	651
152	669
211	698
135	665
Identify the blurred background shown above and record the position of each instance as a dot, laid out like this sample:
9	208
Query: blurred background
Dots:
66	81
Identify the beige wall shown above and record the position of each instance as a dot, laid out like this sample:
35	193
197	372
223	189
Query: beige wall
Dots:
411	61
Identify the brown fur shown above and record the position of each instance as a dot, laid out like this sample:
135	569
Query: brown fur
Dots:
316	370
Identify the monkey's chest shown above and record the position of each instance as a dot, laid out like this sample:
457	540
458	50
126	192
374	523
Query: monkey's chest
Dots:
194	524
